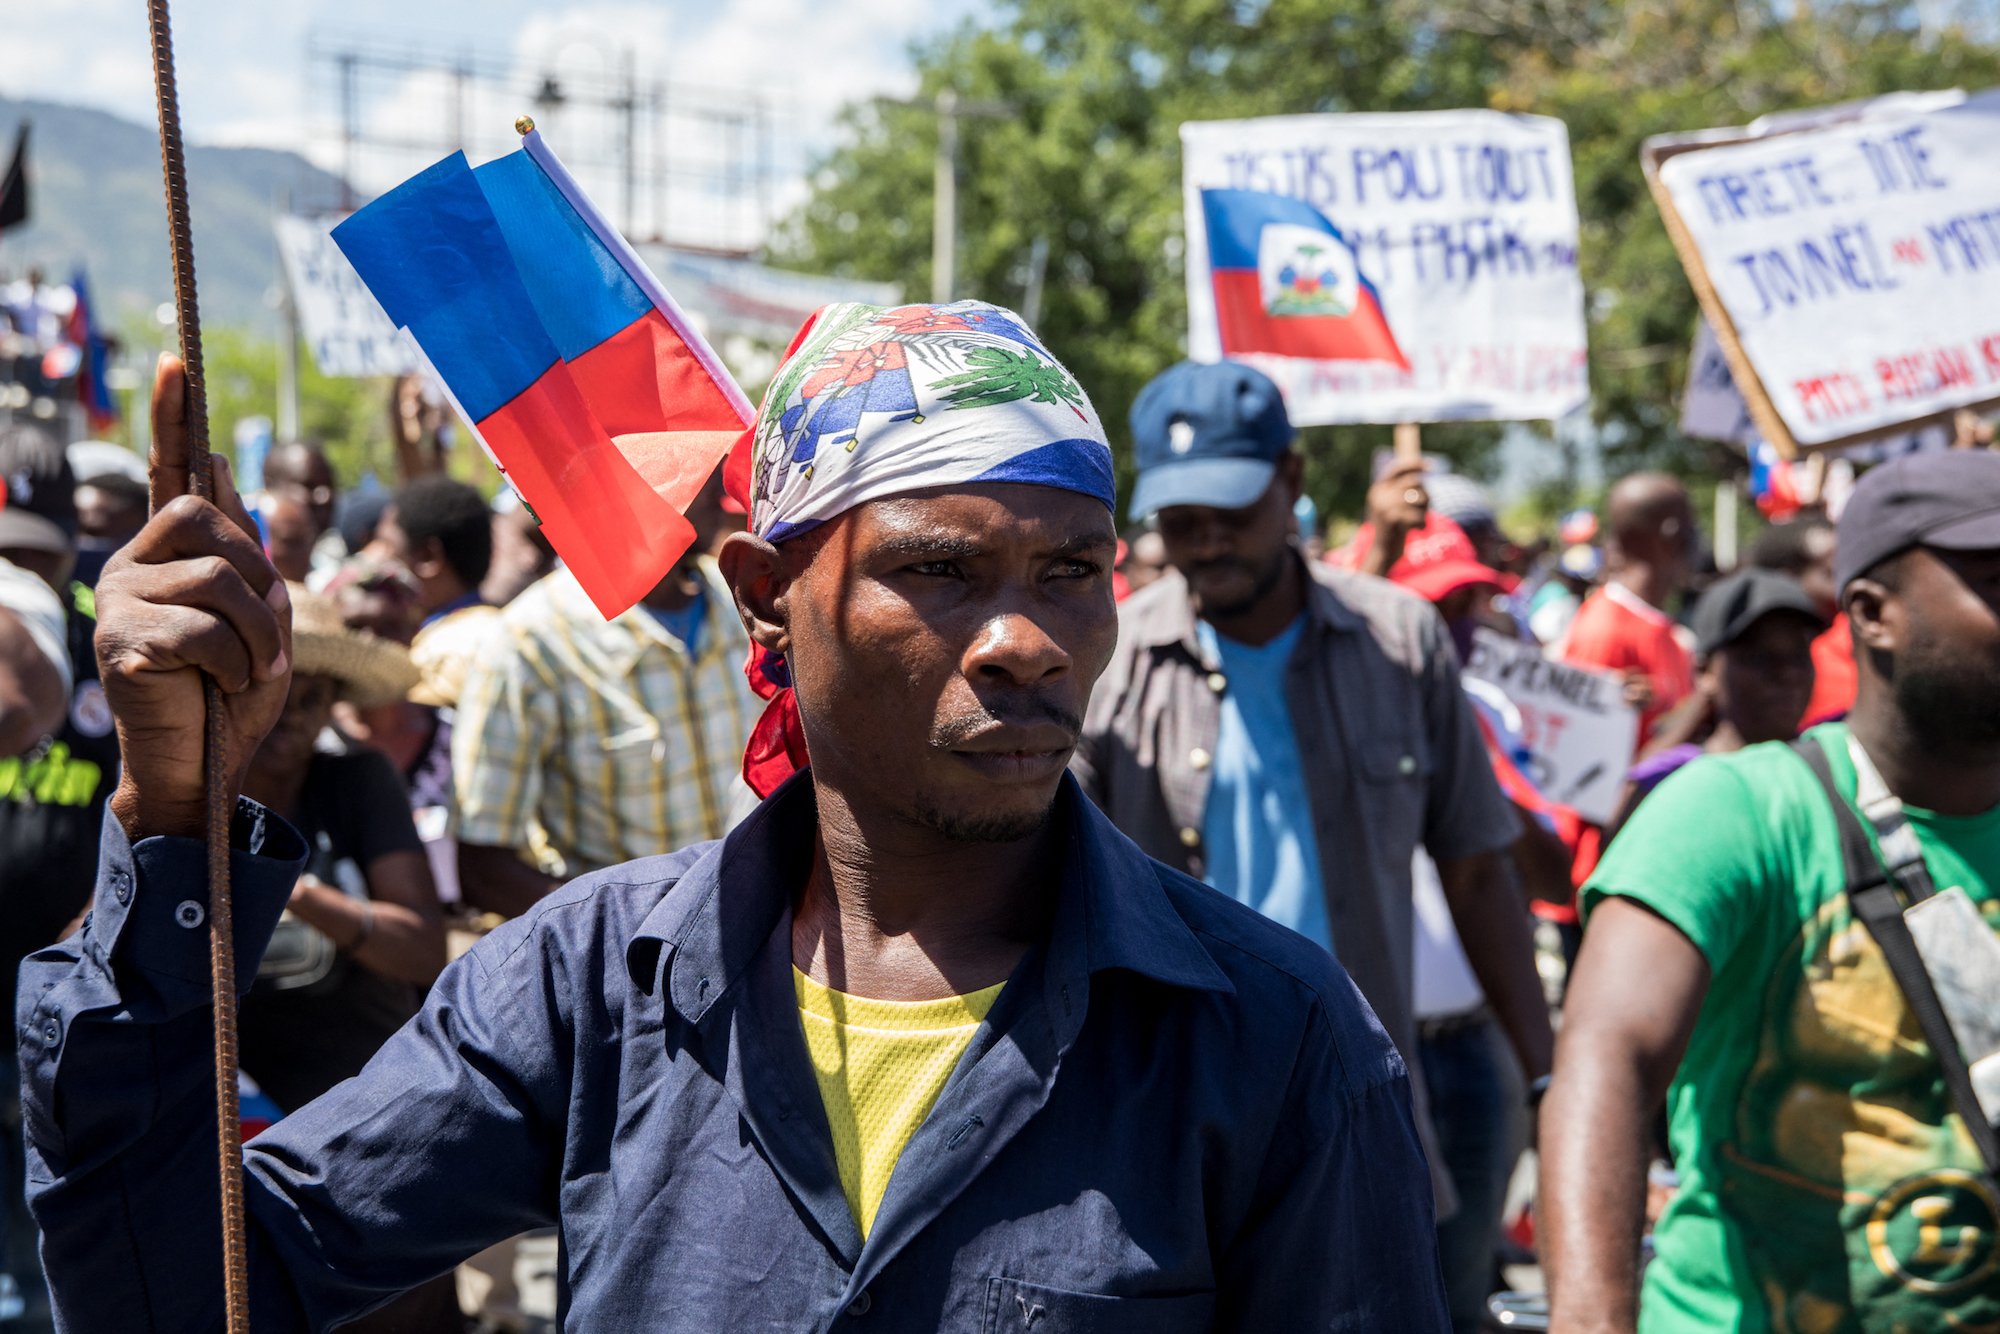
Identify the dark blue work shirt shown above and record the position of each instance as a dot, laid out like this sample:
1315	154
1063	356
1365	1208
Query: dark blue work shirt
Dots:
1177	1117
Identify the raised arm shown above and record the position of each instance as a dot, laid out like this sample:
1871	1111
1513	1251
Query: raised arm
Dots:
343	1197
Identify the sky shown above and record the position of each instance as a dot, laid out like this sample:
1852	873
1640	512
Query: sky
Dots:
245	78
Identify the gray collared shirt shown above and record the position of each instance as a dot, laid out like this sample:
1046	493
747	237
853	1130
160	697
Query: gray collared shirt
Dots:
1178	1117
1392	754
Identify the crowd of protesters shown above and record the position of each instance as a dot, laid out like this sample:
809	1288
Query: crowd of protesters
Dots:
1283	717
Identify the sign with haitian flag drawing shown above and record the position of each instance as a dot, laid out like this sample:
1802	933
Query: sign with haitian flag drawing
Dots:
1417	266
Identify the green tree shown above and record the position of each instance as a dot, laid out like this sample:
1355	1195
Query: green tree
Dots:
1090	161
1620	74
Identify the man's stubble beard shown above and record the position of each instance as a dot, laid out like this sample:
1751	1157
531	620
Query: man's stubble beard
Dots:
1949	702
1266	580
981	828
1007	827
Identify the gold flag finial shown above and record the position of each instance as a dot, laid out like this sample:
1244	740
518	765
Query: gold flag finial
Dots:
523	124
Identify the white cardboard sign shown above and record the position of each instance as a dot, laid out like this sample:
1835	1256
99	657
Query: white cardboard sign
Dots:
1575	722
1463	224
1859	261
346	327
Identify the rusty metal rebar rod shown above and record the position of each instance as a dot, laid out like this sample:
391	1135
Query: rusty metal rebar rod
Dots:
221	927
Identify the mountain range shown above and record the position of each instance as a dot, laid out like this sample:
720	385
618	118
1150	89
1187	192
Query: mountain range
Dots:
97	200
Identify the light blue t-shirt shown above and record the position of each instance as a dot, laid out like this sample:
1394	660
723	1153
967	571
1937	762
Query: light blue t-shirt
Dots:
685	624
1258	826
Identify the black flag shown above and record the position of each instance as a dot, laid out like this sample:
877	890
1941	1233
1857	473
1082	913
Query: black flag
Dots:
14	187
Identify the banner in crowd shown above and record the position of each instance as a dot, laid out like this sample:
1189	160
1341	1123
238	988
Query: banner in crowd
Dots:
1574	721
345	326
1416	266
742	297
1856	254
1713	408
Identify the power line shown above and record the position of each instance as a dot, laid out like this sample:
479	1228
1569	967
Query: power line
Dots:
687	163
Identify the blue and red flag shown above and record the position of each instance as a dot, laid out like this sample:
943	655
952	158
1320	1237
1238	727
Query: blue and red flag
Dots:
1288	283
604	407
81	330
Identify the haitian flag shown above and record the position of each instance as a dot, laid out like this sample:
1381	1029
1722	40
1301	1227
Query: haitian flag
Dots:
576	371
1288	283
82	330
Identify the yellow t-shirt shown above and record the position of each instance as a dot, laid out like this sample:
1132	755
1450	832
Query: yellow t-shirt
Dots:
880	1065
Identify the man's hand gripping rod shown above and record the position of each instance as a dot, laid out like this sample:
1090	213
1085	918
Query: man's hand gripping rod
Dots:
221	932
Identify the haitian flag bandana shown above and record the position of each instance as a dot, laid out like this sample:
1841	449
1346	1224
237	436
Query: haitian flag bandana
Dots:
876	401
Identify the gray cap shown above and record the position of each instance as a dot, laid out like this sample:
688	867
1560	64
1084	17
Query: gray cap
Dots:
1949	499
1730	606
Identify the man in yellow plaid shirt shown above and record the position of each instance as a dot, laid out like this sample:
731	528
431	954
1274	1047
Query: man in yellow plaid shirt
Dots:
582	743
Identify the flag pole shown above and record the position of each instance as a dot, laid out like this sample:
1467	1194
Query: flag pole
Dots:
221	931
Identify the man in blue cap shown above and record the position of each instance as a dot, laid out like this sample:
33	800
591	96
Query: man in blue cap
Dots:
1291	733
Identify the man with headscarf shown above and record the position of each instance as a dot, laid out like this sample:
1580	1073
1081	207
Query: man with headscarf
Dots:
923	1044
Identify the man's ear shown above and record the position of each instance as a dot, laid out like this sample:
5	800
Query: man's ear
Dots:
427	561
1873	610
759	577
1292	471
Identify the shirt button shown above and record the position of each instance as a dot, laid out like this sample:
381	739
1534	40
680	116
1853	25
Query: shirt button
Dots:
51	1034
1407	765
860	1305
1190	837
121	886
1218	682
1198	758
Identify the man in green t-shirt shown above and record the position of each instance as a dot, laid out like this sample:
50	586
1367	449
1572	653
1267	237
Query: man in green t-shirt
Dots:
1827	1185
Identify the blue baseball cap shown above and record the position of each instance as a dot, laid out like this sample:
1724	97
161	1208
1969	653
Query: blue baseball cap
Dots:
1207	434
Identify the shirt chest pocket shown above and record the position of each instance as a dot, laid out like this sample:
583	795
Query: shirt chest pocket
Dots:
1394	757
1014	1307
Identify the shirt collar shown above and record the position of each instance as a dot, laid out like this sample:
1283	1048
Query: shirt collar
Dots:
1112	912
1635	604
718	613
459	603
1167	617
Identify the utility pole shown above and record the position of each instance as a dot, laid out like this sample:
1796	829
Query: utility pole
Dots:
627	103
288	344
459	75
944	217
1031	291
349	131
944	192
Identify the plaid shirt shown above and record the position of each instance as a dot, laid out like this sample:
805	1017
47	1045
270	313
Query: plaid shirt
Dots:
603	733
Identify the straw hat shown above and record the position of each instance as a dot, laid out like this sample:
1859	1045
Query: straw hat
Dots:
371	670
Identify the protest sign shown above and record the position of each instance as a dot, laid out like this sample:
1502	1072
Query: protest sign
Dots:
1849	261
1574	721
1418	266
1712	407
347	329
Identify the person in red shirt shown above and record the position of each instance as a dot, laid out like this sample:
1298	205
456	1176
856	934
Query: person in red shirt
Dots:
1623	625
1803	548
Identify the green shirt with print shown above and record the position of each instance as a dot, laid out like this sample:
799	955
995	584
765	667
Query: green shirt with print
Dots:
1827	1185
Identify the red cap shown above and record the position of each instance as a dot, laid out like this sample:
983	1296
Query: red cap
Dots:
1438	559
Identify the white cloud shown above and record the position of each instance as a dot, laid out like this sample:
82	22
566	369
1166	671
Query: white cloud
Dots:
245	78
